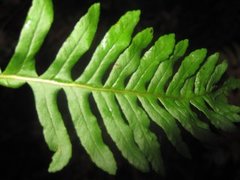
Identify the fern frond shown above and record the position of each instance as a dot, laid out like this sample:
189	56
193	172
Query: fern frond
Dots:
139	89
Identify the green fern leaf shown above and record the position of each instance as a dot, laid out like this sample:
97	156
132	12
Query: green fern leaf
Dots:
139	89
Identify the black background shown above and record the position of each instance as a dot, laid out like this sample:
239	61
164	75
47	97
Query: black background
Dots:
23	153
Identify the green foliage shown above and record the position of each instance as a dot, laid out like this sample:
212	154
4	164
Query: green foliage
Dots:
138	89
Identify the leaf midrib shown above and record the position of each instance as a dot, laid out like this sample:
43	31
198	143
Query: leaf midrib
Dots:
33	36
90	87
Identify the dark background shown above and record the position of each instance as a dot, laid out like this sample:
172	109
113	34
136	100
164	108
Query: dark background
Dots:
23	153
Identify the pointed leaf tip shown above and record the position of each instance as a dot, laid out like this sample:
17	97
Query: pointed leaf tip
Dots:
149	30
95	6
133	14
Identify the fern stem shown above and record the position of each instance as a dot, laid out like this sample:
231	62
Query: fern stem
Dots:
92	88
